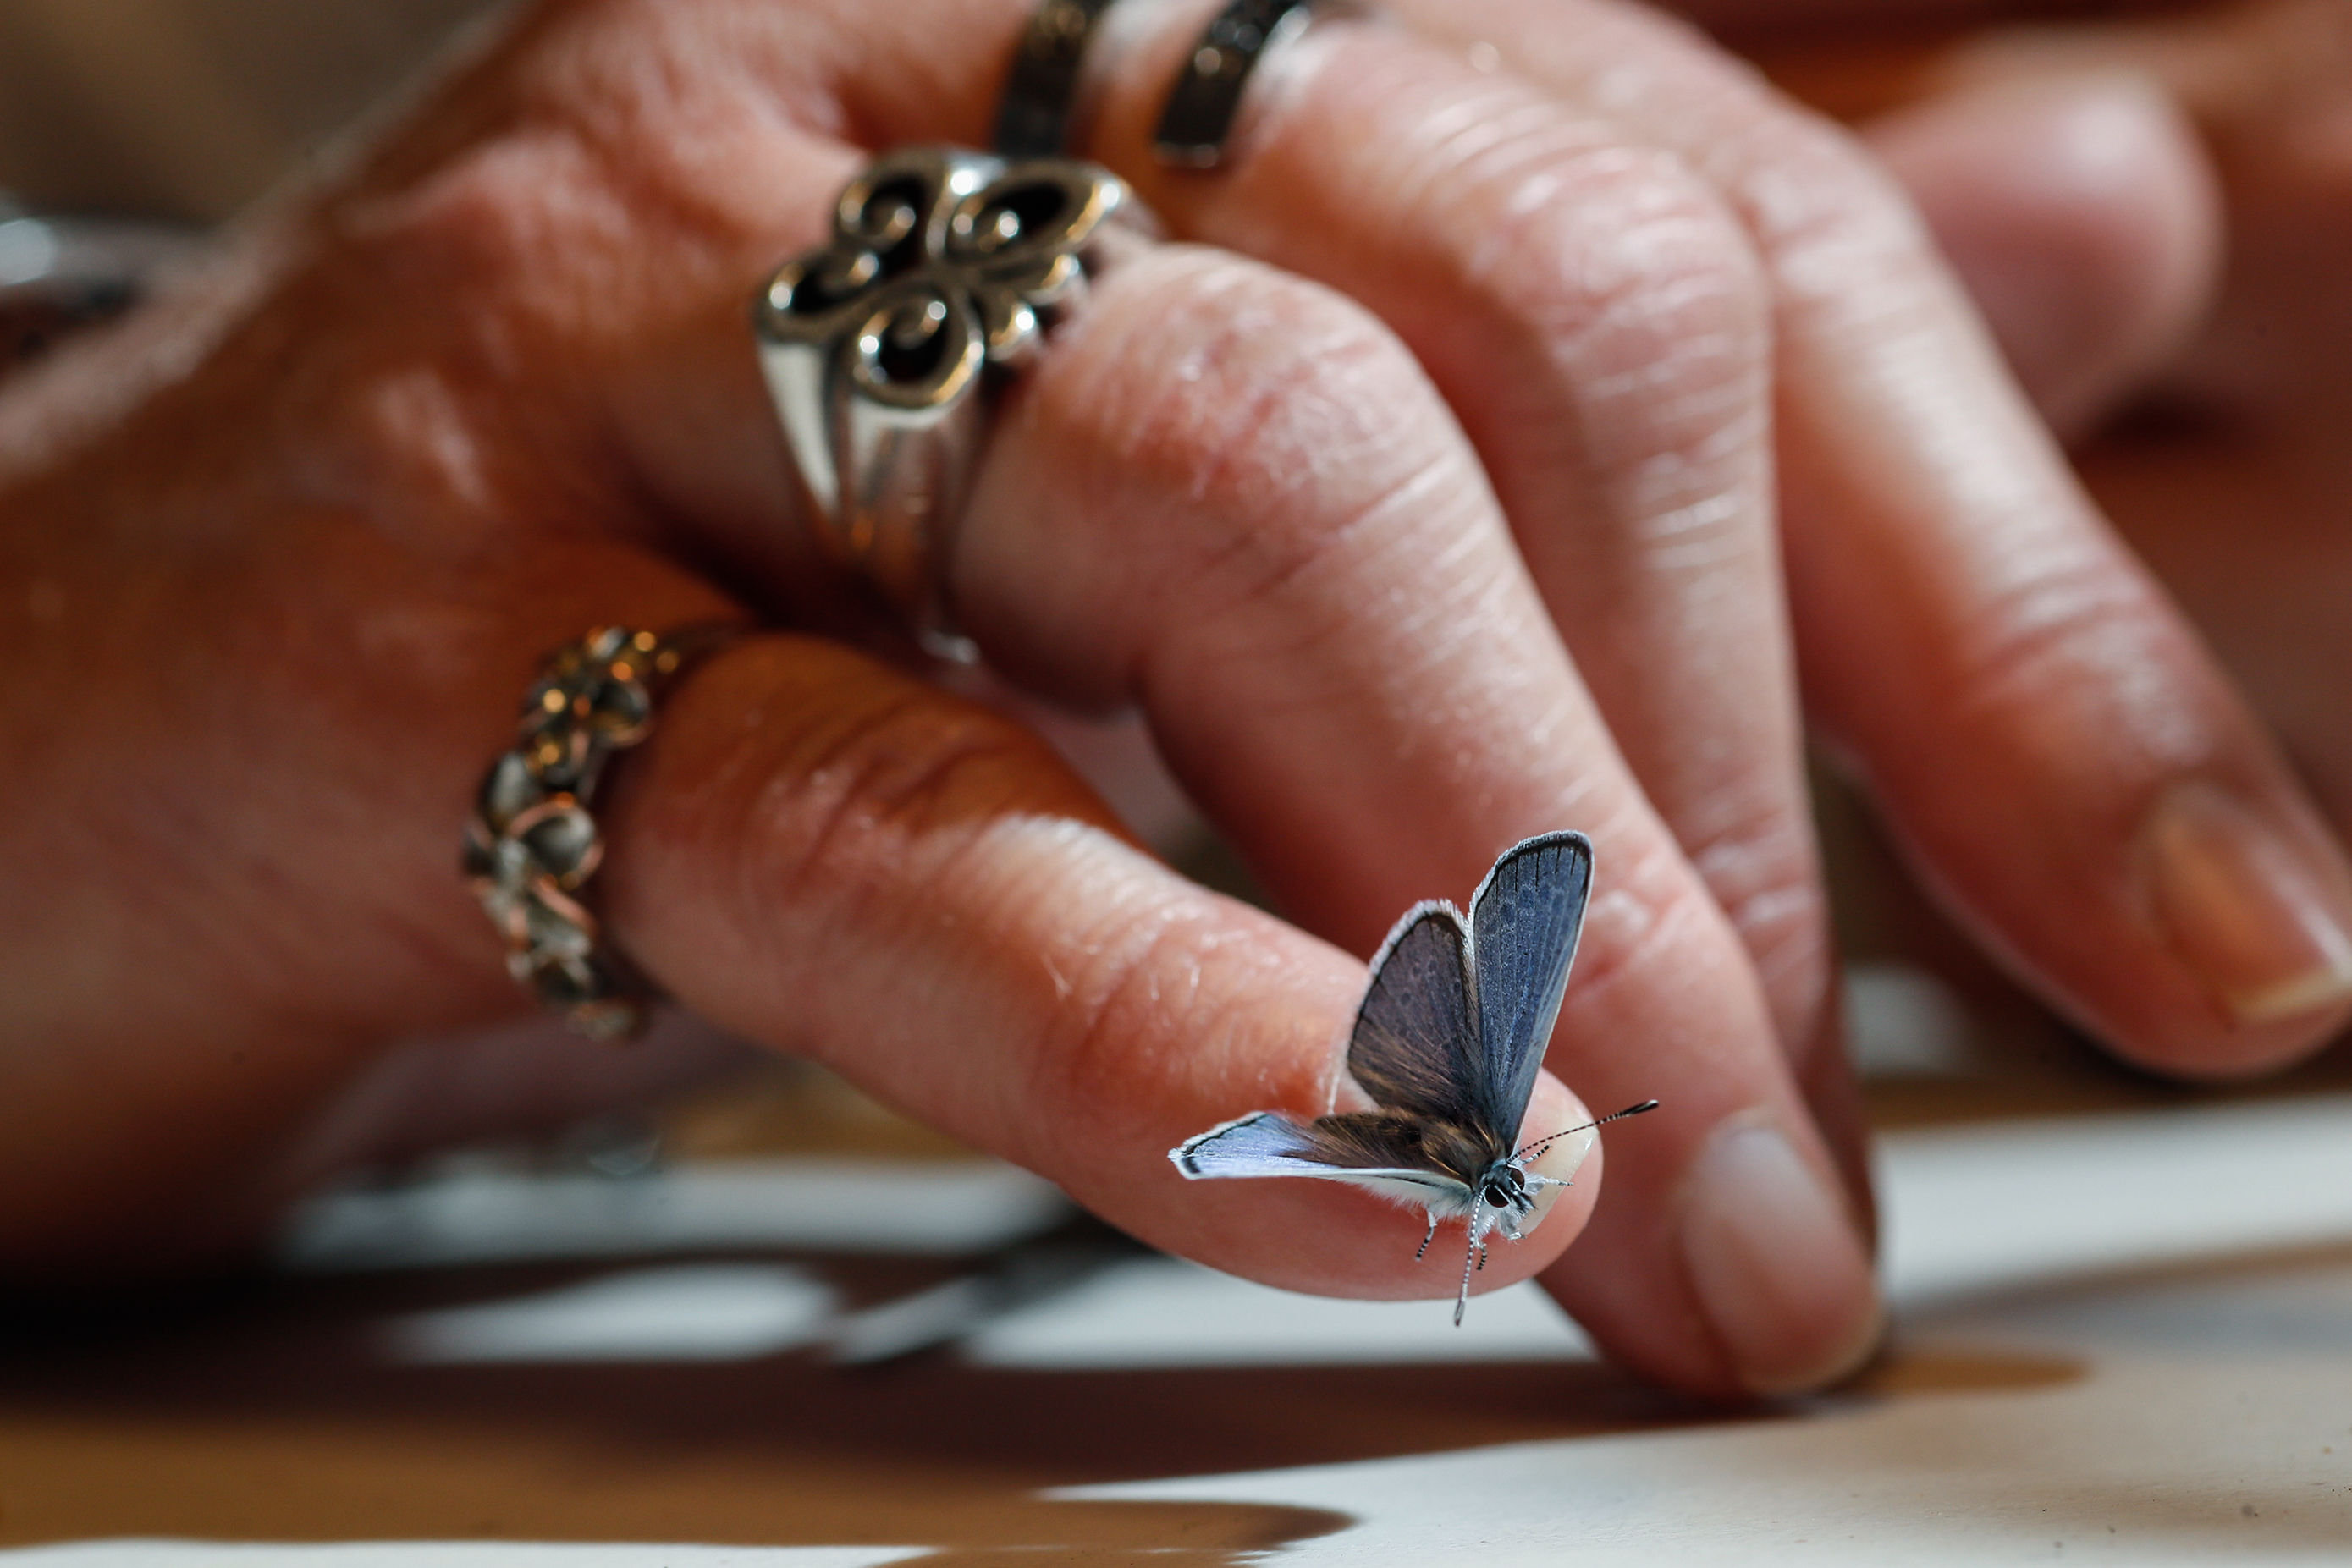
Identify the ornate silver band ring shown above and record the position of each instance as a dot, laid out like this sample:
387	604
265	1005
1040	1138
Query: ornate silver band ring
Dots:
533	842
884	350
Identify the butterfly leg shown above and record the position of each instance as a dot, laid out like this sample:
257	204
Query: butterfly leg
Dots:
1422	1250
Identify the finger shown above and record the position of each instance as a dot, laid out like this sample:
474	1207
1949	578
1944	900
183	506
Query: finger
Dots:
2082	217
1597	320
1607	354
820	852
1231	497
1373	725
2045	730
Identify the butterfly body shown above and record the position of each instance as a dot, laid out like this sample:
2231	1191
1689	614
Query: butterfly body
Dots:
1447	1042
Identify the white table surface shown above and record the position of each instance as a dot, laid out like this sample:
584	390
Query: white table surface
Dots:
2126	1337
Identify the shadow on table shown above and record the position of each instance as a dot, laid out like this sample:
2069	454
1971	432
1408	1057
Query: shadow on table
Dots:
271	1414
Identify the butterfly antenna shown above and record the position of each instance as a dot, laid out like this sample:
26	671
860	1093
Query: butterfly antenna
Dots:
1463	1301
1535	1150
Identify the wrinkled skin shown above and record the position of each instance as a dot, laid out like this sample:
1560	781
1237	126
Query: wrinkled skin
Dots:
1508	440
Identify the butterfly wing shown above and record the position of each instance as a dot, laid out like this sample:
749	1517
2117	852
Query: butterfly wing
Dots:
1377	1152
1262	1144
1413	1048
1524	925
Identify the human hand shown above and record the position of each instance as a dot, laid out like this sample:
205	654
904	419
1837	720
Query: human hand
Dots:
1437	511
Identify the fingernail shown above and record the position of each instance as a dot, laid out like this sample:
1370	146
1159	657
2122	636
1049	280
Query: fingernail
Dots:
1566	1155
1561	1162
2263	932
1775	1261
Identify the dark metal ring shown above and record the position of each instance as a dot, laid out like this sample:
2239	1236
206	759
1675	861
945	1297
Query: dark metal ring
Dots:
1201	107
1041	92
1035	118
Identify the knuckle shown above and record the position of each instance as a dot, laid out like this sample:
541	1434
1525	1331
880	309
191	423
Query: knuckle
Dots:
1292	428
877	791
834	819
1755	851
2033	626
513	225
2078	628
1616	259
1827	217
1641	309
1653	922
1761	867
1636	276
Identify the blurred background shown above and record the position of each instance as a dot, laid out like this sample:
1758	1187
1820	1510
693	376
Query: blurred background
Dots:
187	109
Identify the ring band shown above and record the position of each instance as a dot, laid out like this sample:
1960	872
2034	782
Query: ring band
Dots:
1199	119
1041	92
945	268
533	844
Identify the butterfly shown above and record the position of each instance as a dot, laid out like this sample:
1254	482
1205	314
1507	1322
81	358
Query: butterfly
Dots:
1452	1031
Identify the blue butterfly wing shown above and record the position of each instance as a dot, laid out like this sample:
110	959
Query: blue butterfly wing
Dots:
1373	1150
1524	925
1415	1047
1263	1144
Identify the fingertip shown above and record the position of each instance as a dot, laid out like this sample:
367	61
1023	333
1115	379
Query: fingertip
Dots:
2259	918
1775	1261
1573	1159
